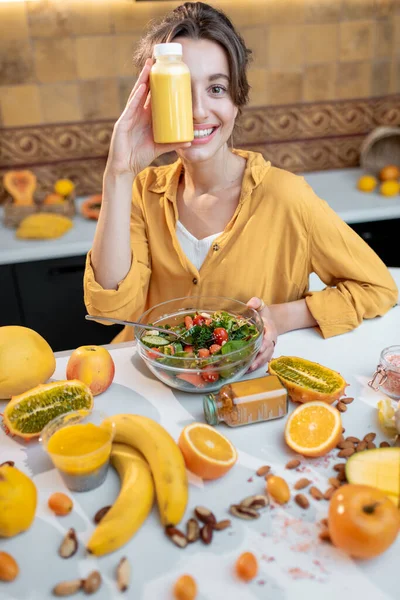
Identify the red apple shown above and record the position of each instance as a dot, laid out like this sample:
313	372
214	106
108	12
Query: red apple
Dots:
92	365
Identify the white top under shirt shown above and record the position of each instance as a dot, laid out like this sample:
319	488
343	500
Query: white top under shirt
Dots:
195	250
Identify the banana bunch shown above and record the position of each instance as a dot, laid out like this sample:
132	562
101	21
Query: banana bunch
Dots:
138	438
132	506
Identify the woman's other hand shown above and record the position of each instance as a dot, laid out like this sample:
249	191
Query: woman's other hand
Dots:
270	333
132	147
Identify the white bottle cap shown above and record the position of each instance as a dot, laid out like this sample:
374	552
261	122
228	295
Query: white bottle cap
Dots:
171	49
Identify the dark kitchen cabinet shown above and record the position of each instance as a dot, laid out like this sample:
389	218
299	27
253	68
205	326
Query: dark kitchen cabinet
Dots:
10	309
383	237
50	294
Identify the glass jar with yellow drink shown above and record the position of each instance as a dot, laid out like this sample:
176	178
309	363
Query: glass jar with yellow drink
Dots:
171	96
79	445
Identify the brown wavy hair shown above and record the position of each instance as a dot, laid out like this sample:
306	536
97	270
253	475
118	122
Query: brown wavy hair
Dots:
200	21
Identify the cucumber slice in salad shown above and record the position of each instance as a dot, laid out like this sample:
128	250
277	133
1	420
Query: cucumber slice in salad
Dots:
155	341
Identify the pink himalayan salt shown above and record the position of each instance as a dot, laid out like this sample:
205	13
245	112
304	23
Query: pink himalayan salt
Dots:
392	383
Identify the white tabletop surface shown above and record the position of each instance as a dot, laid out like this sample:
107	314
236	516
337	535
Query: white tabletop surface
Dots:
337	187
294	564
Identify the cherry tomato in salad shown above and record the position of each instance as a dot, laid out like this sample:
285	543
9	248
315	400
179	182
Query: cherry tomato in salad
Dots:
189	348
153	354
220	335
214	348
188	322
209	374
204	352
207	322
198	320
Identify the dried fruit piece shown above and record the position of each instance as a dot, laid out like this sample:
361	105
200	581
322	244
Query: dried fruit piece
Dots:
176	536
301	500
302	483
92	582
307	381
8	567
68	588
69	545
185	588
246	566
60	504
278	489
192	531
123	574
316	493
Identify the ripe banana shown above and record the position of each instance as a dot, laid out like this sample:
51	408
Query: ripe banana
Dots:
132	506
165	460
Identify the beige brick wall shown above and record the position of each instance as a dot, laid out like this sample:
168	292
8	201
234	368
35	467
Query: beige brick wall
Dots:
70	60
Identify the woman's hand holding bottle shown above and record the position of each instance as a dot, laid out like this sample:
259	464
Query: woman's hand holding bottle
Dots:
132	147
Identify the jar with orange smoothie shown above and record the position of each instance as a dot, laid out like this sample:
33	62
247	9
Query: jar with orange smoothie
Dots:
79	445
171	96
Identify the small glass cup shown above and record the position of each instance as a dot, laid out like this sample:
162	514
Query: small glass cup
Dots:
81	471
387	374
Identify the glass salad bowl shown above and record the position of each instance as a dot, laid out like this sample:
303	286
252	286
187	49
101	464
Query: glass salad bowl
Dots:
218	340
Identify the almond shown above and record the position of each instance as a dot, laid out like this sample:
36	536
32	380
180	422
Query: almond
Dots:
92	582
353	439
324	522
204	515
67	588
262	471
334	482
339	467
346	453
329	493
192	531
302	483
361	446
345	444
341	407
346	400
206	533
324	536
369	437
371	445
292	464
69	545
176	536
384	445
302	500
340	440
221	525
341	476
316	493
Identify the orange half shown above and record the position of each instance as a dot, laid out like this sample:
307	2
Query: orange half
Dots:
313	429
207	453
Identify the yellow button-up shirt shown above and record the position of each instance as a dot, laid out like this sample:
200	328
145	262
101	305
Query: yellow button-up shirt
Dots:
279	234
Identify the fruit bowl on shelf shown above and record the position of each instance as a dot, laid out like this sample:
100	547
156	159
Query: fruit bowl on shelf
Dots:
219	339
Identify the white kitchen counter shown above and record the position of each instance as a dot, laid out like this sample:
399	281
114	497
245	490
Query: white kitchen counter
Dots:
337	187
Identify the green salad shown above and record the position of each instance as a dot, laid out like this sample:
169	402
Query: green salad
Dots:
206	340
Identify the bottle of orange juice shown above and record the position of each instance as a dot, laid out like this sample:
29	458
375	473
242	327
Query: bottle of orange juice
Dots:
171	96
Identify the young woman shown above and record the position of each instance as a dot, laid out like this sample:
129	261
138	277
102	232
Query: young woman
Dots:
220	221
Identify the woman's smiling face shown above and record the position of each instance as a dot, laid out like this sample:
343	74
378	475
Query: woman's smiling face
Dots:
214	112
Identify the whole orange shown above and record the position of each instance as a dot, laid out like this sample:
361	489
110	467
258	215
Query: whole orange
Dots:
389	172
362	520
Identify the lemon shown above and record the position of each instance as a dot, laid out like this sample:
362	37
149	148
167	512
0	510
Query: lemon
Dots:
18	498
367	183
386	417
390	188
64	187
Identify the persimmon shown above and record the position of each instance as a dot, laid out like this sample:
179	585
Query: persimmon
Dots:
185	588
362	520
